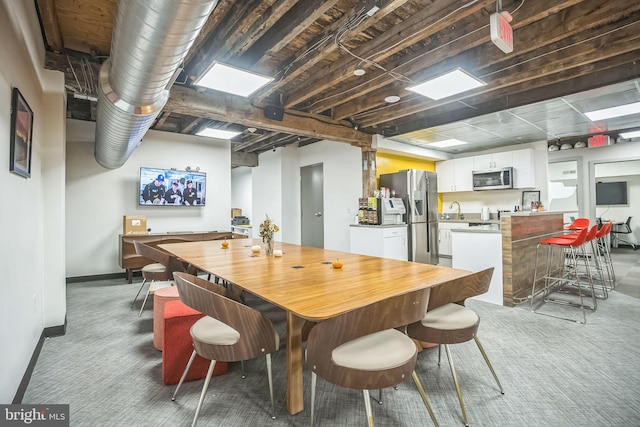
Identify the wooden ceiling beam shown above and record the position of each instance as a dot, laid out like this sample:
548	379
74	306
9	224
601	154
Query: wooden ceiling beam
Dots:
49	20
236	110
561	30
410	31
296	67
568	82
297	19
469	34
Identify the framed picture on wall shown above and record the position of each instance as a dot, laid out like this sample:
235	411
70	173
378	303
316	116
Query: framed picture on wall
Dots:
529	197
21	135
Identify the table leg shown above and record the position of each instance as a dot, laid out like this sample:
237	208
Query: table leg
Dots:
295	399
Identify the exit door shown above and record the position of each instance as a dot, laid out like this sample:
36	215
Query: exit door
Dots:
312	205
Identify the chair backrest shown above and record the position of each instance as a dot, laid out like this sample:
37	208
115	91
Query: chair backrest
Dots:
579	224
580	238
170	262
591	234
627	224
604	230
458	290
325	336
257	334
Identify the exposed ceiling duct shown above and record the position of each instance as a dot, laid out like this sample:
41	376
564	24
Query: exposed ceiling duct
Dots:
150	40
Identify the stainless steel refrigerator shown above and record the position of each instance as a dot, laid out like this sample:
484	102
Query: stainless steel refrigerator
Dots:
419	191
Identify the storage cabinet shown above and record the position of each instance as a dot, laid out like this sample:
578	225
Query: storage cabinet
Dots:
493	161
455	175
444	236
381	241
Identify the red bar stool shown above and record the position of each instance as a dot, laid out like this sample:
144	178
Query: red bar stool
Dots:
561	272
578	224
602	242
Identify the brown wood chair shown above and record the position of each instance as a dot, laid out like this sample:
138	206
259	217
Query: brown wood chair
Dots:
361	350
161	270
229	332
448	321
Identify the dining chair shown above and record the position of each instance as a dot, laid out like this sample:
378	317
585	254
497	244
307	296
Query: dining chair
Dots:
229	332
159	271
448	321
361	349
624	229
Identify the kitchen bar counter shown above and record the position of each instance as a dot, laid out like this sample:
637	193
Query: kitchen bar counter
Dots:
521	232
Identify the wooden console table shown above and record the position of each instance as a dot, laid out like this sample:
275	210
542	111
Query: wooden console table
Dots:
131	261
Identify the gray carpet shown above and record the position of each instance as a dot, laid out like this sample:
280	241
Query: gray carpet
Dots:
555	373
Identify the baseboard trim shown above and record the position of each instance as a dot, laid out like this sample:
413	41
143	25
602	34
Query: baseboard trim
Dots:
22	388
95	277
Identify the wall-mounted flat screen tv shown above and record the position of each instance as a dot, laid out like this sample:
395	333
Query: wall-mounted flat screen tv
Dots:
611	193
170	187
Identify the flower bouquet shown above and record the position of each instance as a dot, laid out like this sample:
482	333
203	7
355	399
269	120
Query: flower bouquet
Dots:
267	229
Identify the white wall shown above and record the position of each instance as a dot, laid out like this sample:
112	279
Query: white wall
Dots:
31	247
473	201
241	191
342	188
97	198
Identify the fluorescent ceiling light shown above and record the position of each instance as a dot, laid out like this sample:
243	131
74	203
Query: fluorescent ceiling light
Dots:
218	133
629	135
454	82
446	143
619	111
232	80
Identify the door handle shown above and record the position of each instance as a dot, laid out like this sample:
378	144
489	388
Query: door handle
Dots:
318	214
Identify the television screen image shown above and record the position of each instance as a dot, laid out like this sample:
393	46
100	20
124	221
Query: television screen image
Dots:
170	187
611	193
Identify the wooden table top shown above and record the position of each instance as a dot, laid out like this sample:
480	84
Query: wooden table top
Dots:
304	282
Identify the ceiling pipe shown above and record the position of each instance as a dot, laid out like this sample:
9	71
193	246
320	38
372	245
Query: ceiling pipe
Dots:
150	40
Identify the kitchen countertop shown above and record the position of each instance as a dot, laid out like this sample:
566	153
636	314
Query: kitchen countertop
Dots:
468	218
378	226
486	228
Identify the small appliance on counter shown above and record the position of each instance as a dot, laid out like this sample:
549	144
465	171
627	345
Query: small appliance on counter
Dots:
369	212
392	210
484	214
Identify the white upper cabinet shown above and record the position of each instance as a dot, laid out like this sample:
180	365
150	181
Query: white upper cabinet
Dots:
455	175
524	175
493	161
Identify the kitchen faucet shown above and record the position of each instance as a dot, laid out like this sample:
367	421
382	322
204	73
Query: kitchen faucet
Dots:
459	214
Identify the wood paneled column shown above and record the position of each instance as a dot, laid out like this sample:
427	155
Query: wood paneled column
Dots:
368	171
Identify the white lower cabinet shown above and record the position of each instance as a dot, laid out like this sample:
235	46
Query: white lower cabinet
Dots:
444	236
381	241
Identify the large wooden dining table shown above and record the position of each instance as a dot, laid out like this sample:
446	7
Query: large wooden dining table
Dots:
304	283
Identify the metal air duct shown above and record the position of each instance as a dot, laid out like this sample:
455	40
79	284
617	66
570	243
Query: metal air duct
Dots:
150	40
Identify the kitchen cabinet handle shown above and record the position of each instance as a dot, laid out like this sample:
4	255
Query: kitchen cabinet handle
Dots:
318	214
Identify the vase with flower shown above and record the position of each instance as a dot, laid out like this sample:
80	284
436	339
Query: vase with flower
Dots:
267	230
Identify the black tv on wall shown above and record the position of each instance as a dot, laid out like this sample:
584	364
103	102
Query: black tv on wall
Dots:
171	187
611	193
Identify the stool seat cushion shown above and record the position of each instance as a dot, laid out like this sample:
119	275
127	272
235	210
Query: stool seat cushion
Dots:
450	317
154	268
372	352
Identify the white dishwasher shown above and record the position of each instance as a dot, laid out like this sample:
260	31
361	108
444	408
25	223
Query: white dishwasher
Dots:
385	241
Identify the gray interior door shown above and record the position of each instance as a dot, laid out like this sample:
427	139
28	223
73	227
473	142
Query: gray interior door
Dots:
312	209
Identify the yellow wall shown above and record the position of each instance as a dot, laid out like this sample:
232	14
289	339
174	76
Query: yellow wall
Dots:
390	163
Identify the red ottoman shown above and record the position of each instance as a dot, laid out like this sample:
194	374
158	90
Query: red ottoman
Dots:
160	298
177	346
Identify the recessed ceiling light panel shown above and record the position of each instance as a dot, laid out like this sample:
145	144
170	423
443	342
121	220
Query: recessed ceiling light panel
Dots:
629	135
218	133
452	83
446	143
609	113
232	80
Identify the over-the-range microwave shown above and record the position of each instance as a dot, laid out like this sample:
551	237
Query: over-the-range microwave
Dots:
493	179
